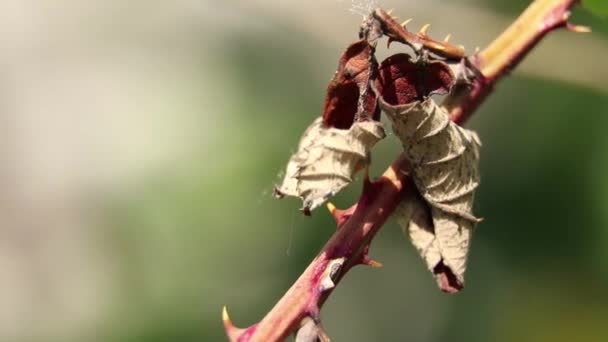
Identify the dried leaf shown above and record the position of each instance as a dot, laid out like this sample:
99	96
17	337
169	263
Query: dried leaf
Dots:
348	93
327	159
445	160
401	81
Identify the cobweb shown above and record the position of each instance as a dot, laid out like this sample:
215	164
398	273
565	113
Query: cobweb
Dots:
363	7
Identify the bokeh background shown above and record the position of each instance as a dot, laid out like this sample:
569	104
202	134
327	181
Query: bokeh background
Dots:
140	141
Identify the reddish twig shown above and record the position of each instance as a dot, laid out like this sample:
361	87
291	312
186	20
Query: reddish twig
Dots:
346	248
358	225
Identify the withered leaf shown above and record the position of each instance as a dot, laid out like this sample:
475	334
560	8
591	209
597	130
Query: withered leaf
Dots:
348	92
326	161
445	170
401	81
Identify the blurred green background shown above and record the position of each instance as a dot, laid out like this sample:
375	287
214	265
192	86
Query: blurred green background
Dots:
141	141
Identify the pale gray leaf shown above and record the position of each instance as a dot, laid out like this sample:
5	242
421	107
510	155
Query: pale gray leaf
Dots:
445	169
327	159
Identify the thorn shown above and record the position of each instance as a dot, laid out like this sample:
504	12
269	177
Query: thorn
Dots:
447	38
331	207
225	316
578	28
477	49
406	22
395	18
424	29
335	212
341	216
232	331
371	262
390	11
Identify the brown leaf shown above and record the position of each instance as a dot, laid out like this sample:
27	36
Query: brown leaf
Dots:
348	92
402	81
445	170
326	161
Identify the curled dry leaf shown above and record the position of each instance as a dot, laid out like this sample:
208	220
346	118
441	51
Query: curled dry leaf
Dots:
402	81
444	159
327	159
337	145
349	97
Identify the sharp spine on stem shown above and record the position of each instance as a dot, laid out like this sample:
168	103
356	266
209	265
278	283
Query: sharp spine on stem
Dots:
407	21
424	28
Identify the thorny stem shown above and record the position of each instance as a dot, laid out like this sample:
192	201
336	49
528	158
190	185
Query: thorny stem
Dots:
506	51
358	225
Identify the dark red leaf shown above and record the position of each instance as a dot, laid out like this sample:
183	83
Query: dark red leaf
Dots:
401	81
348	85
341	104
397	80
440	78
